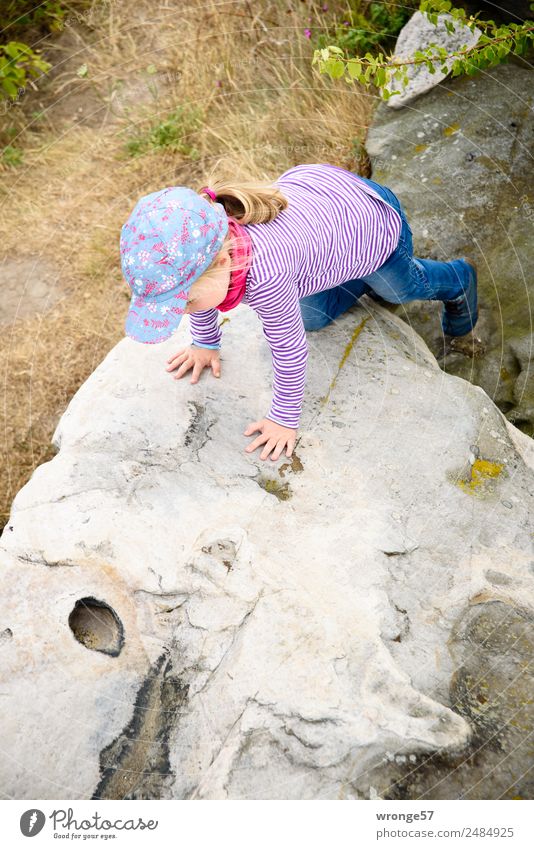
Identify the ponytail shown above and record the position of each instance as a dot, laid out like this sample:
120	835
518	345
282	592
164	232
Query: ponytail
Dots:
248	203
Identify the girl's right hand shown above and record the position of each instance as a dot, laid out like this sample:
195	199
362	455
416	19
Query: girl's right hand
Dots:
195	358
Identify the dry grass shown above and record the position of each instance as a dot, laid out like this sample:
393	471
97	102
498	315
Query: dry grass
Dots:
259	110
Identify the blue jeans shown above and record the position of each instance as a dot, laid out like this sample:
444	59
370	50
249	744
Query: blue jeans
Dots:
401	278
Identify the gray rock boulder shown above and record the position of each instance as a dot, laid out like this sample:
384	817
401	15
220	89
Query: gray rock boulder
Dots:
182	620
460	161
418	34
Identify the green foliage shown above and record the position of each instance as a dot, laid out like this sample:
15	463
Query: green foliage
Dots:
493	47
18	63
19	19
366	27
11	156
176	133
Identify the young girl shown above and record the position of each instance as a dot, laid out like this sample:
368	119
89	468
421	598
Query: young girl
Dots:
300	252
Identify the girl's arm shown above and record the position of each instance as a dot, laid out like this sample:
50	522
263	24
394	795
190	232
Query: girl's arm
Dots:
205	330
278	307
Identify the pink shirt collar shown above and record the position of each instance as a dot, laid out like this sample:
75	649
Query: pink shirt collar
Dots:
241	251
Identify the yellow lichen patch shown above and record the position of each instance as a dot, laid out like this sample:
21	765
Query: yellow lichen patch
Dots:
282	491
452	128
295	465
420	147
481	471
437	181
357	330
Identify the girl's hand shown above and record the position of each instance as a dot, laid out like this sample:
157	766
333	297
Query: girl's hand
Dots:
195	358
275	435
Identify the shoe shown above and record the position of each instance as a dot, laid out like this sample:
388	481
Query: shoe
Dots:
470	345
460	315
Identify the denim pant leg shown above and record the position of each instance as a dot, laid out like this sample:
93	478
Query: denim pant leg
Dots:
321	308
404	277
401	278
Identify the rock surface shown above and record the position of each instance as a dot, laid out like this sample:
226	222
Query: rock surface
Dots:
460	161
182	620
418	34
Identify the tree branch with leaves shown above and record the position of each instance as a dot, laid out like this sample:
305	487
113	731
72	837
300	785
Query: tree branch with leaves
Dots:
492	48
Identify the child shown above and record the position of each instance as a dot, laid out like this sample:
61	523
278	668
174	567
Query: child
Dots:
300	252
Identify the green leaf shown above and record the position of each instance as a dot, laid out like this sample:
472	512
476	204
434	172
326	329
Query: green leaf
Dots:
335	68
12	50
354	68
380	78
16	49
9	87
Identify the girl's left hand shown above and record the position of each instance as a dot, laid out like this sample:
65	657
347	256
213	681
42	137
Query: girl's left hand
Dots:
275	435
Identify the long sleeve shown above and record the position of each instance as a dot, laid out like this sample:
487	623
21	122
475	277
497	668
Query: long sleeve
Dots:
277	305
204	328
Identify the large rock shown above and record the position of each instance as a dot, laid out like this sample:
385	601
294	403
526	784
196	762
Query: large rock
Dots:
460	160
418	34
182	620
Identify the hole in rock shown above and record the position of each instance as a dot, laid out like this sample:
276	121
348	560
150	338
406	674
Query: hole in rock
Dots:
96	626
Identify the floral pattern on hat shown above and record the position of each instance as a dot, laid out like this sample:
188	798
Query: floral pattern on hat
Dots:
171	237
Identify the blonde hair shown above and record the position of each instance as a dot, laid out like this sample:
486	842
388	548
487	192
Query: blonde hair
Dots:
247	202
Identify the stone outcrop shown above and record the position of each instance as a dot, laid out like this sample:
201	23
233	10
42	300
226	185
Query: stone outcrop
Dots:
418	34
182	620
460	161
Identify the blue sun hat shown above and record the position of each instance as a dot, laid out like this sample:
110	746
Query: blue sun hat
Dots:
171	237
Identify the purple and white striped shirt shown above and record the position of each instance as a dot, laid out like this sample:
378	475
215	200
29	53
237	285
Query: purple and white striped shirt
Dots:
335	228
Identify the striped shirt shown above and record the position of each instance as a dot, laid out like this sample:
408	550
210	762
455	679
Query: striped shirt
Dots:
335	228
